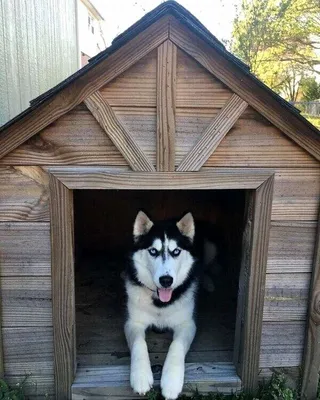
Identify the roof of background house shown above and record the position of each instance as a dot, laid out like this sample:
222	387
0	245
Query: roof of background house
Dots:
92	9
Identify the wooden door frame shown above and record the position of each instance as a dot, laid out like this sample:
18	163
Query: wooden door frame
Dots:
259	186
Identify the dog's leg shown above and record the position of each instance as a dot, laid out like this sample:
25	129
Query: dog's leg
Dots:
173	369
141	378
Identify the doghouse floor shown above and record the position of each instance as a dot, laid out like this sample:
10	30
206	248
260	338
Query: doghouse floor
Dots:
100	304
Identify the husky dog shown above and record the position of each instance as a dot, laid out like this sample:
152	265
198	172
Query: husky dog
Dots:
161	283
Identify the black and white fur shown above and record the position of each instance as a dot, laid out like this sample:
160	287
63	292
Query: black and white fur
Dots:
162	282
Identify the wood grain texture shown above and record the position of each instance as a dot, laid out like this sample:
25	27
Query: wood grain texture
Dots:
25	249
96	77
120	137
196	87
296	194
36	386
24	194
114	380
166	106
291	246
257	260
108	178
136	87
213	134
242	84
62	248
76	138
311	362
26	301
28	350
286	297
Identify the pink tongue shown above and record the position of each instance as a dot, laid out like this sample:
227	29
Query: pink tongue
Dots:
165	295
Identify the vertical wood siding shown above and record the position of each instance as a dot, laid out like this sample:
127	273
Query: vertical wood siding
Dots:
38	49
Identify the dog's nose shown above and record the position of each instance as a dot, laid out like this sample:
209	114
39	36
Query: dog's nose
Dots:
166	281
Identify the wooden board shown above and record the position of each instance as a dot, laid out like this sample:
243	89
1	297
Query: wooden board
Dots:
311	366
291	246
63	282
296	194
254	142
119	135
286	297
28	350
36	386
196	87
26	301
74	139
136	87
24	194
25	249
108	381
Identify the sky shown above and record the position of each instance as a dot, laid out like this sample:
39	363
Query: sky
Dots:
216	15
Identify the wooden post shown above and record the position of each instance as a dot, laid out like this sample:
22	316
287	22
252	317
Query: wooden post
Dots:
311	363
63	298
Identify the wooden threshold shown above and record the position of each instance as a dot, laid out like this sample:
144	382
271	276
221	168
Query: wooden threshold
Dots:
113	381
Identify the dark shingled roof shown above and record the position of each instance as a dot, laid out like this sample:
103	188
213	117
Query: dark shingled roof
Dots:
185	17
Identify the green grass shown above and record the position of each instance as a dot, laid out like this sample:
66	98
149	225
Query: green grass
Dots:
275	389
314	120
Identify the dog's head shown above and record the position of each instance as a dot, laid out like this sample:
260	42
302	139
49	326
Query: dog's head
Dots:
163	253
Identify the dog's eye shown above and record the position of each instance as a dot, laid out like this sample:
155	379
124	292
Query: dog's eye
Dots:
176	252
153	252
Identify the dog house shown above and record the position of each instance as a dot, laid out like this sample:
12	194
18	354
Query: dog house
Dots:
166	119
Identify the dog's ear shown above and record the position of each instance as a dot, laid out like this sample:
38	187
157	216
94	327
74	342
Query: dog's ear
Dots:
186	226
142	225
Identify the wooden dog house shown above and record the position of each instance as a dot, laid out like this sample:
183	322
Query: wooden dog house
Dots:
165	111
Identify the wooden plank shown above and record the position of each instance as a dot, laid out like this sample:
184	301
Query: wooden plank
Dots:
252	142
25	249
108	178
292	375
35	386
296	194
286	297
63	298
213	134
196	87
121	138
24	194
257	263
26	301
136	87
114	380
28	350
239	81
311	362
76	138
291	246
95	77
166	105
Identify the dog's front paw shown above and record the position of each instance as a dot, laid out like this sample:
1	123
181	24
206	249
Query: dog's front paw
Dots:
141	379
172	381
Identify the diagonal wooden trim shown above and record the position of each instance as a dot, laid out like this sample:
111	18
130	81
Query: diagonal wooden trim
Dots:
253	269
213	134
245	86
121	138
166	106
112	178
96	77
311	363
63	297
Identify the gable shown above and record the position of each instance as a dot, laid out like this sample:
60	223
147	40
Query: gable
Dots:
107	76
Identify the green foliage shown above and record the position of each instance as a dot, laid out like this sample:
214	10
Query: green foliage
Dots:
310	89
275	389
278	39
11	393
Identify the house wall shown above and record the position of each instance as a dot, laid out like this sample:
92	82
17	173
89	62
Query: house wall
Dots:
38	49
77	139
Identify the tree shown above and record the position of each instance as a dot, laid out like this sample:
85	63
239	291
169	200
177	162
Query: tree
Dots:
279	40
310	89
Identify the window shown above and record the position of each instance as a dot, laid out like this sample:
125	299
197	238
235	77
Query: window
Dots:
91	23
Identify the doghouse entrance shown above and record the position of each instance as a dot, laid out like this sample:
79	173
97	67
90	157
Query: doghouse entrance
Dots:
103	232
